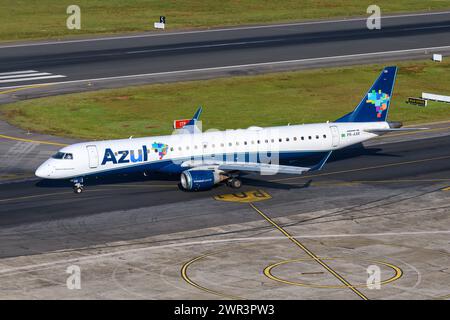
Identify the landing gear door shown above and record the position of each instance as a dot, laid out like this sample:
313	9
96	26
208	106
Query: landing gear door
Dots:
334	136
93	156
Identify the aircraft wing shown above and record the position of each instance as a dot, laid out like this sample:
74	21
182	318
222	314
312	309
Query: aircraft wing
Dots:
253	166
262	168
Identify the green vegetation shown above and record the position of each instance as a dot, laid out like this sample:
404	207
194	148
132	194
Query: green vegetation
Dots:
28	19
238	102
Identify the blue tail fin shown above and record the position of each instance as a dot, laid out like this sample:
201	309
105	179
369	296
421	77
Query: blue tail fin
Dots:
375	104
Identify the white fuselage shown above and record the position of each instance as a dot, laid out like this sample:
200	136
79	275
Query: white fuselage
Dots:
169	153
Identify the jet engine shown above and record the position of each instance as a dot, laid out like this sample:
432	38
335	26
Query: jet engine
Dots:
200	180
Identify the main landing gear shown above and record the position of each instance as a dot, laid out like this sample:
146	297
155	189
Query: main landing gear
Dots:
78	186
234	183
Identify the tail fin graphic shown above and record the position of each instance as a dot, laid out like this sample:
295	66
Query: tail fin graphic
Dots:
375	104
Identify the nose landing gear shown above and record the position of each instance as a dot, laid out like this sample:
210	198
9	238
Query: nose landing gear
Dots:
78	186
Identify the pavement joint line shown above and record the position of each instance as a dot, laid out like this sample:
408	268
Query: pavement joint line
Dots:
309	253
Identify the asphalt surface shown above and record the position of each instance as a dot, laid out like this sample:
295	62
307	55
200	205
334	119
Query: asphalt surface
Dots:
40	216
165	57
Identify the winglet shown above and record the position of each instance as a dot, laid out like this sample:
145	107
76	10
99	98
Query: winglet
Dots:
196	116
322	162
198	113
191	126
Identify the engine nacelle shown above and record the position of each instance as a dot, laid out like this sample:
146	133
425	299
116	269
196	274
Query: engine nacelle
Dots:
200	180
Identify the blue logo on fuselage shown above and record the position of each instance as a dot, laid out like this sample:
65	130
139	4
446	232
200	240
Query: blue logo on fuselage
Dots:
125	156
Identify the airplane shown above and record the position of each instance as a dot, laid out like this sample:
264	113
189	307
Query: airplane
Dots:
206	159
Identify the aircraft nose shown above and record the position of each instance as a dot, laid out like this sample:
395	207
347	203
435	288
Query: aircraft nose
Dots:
44	171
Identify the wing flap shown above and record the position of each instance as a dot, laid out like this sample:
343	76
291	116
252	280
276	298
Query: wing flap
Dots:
262	168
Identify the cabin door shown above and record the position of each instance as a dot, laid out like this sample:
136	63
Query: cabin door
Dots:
335	136
93	156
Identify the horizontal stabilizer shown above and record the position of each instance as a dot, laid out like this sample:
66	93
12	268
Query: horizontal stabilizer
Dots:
389	130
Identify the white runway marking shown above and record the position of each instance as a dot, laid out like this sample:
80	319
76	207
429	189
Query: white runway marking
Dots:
24	75
27	75
17	72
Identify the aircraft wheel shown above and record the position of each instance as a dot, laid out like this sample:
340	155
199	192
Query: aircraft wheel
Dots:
78	190
235	183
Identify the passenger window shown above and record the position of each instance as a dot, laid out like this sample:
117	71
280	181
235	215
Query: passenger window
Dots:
287	139
317	137
295	138
309	137
324	136
303	138
280	139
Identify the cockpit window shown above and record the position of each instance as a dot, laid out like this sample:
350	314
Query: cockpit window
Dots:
58	155
62	155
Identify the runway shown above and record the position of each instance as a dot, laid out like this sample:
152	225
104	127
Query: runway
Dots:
156	57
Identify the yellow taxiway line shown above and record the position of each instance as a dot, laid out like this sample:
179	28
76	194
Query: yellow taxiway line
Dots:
23	139
186	278
268	273
25	87
33	141
310	253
